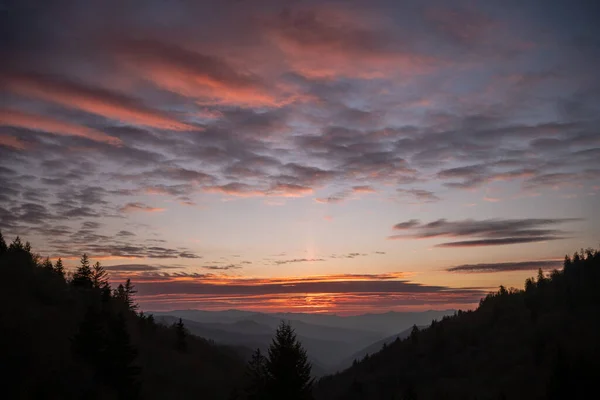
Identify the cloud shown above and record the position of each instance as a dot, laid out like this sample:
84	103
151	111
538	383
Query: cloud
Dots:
193	74
506	266
136	268
90	99
421	195
407	224
187	254
345	43
282	101
37	122
221	267
333	199
343	293
298	260
363	189
13	142
132	207
489	232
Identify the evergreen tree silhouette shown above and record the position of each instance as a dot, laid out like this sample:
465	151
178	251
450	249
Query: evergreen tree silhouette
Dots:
257	377
83	276
130	291
119	293
16	245
181	336
288	368
3	246
59	268
47	264
99	276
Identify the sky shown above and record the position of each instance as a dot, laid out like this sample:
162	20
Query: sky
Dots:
306	156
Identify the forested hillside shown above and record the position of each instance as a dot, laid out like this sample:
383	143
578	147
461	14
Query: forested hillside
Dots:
78	338
537	343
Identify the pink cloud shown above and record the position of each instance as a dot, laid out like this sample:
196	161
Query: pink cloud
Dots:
92	100
41	123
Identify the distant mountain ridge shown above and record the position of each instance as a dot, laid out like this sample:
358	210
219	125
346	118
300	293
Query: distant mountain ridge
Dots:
330	340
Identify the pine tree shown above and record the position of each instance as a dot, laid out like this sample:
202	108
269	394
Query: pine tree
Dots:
59	268
129	293
181	336
99	276
257	377
119	293
3	246
83	276
16	245
47	264
288	367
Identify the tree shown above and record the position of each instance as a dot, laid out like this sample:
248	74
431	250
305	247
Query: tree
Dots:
257	377
47	264
181	336
59	268
288	369
83	276
99	276
414	334
129	290
3	246
16	245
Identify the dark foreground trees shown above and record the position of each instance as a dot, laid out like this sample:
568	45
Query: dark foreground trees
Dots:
537	343
284	374
74	339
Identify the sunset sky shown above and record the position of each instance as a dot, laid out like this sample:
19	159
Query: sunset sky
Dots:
307	156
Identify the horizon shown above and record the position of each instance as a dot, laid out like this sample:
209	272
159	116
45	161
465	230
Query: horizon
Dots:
319	157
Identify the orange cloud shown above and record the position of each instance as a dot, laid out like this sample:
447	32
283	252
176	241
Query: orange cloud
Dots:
209	79
331	41
363	189
277	190
132	207
92	100
11	141
41	123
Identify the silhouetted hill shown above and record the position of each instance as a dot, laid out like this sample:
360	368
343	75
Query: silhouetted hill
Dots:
536	343
62	341
372	349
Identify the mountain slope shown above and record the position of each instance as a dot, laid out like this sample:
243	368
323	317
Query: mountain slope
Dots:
373	348
537	343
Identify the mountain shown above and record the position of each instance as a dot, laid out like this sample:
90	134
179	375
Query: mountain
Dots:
331	341
388	323
536	343
382	324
